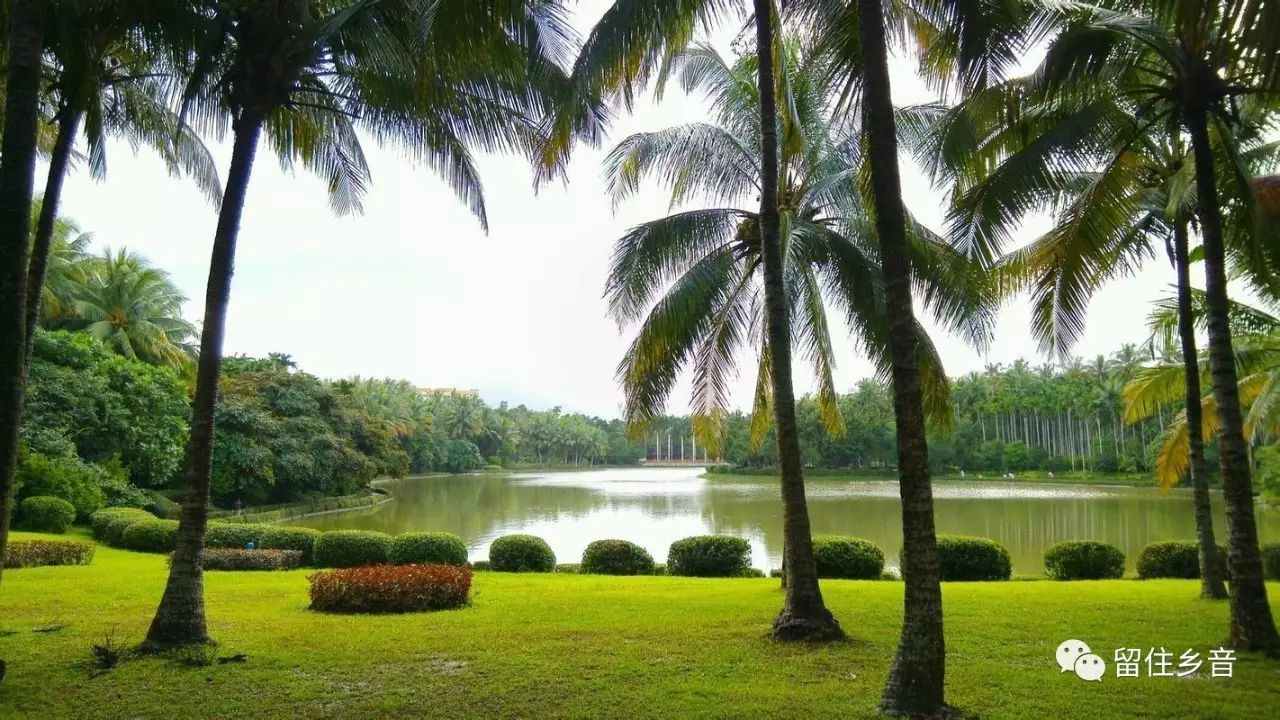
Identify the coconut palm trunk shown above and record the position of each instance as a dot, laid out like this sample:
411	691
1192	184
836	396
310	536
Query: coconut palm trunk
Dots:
1211	570
17	170
59	162
180	618
915	684
804	616
1252	627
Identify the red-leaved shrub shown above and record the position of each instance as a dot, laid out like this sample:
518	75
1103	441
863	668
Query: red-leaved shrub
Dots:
391	588
39	553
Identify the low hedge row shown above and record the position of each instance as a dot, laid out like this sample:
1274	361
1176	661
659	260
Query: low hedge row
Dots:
240	559
41	553
391	588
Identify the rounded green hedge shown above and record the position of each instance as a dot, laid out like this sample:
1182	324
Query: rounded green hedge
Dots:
427	548
972	559
1271	561
101	519
1084	560
235	536
1170	560
849	558
45	513
116	527
709	556
521	553
616	557
154	535
292	538
351	548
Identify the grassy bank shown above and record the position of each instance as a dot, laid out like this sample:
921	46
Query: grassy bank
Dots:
586	646
1069	477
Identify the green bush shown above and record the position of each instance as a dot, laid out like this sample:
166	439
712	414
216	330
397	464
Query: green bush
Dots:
1271	561
239	559
154	535
351	548
427	548
616	557
521	553
41	553
850	558
1084	560
235	535
1170	560
101	520
300	539
660	569
709	556
44	513
481	566
69	478
752	572
569	568
966	559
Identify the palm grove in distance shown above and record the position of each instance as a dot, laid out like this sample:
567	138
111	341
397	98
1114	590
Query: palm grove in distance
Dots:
1147	131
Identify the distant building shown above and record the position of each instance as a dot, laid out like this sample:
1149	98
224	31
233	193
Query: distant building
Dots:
448	392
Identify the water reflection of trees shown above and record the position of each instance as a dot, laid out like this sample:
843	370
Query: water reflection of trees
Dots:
477	508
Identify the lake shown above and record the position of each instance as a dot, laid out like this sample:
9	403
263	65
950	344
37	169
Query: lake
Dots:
656	506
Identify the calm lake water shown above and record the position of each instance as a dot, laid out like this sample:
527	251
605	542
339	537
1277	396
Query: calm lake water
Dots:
656	506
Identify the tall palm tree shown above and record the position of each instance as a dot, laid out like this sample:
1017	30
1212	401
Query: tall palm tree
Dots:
438	78
133	308
1192	66
17	168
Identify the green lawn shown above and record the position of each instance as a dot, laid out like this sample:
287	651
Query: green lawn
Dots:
585	646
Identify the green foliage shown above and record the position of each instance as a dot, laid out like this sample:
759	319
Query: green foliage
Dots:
68	478
1271	561
43	513
521	553
962	558
709	556
616	557
235	535
300	539
427	548
154	535
351	548
1084	560
240	559
463	456
1170	560
101	521
847	557
41	553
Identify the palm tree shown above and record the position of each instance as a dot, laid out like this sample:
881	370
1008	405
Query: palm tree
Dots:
1191	66
17	168
436	77
133	308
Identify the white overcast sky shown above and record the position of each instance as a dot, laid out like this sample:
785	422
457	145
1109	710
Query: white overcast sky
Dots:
414	289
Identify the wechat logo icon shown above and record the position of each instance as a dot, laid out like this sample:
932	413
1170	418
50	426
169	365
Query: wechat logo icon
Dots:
1075	656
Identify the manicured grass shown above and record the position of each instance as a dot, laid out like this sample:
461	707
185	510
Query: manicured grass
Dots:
561	645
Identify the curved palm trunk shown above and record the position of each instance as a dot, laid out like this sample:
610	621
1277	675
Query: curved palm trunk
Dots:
915	684
180	618
1252	627
17	171
1211	570
59	161
804	616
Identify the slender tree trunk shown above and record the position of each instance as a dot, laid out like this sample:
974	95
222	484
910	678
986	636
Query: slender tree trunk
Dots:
17	171
180	618
1252	627
1211	570
804	616
59	162
916	679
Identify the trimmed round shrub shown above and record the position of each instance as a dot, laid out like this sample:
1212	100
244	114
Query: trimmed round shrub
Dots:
351	548
235	535
616	557
427	548
116	527
391	588
45	513
709	556
102	518
291	538
1271	561
970	559
850	558
1084	560
154	535
521	553
1170	560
